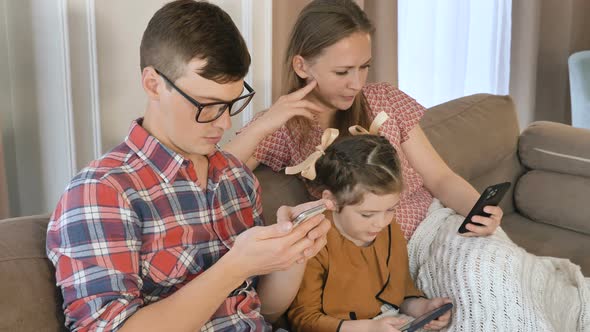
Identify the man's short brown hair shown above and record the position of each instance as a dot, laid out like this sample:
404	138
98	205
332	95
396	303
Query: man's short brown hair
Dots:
183	30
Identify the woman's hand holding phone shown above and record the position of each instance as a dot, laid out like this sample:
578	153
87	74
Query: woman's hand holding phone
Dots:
485	216
488	225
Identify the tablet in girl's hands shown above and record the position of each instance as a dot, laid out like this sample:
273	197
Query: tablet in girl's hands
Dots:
426	318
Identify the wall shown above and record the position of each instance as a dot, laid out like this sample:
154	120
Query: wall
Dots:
37	121
564	29
118	35
284	19
84	77
526	18
383	14
7	147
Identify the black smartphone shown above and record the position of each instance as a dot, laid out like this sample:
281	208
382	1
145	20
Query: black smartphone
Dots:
426	318
305	215
491	196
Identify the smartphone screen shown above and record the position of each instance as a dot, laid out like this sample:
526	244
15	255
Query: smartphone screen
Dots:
426	318
492	195
305	215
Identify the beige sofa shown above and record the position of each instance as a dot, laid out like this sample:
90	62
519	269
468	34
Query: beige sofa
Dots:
547	211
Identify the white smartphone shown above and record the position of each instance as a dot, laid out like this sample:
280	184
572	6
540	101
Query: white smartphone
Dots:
305	215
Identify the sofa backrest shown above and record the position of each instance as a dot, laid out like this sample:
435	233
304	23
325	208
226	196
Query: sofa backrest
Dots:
477	136
30	299
279	189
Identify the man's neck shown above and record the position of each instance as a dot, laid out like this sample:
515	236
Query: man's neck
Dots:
201	166
200	162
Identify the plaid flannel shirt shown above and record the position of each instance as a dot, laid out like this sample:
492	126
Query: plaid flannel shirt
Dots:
135	226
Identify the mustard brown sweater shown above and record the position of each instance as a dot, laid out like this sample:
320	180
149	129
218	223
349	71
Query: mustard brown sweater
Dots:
345	281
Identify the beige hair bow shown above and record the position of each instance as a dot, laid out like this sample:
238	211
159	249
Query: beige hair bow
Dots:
307	167
373	129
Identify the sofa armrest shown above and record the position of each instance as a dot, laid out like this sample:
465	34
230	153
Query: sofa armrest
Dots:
556	189
555	147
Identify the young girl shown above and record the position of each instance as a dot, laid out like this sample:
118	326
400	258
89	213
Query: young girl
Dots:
364	265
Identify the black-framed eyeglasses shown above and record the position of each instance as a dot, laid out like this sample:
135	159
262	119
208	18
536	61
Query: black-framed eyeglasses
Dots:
209	112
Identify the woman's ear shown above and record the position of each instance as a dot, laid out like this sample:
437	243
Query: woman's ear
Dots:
300	67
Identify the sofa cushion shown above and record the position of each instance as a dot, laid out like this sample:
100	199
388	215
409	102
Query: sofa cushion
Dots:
505	169
30	299
555	198
547	240
556	147
279	189
474	133
477	136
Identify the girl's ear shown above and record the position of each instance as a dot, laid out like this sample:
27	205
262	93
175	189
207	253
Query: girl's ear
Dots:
326	194
300	67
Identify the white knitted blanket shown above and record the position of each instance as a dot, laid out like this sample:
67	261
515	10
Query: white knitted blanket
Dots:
494	284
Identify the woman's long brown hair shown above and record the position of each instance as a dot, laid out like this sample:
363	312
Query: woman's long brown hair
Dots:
321	24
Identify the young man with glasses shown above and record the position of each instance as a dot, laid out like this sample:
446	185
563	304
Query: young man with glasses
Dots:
165	232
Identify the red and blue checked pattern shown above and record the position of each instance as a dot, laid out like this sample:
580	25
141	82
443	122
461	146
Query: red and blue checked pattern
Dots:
284	148
135	226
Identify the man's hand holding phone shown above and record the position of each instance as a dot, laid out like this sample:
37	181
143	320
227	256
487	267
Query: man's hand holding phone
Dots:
264	249
304	220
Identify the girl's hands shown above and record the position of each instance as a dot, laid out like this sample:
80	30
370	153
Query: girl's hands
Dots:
441	321
385	324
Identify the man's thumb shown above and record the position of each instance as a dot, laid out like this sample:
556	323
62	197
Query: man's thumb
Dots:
281	228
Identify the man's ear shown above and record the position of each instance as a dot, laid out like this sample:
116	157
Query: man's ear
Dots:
152	83
300	67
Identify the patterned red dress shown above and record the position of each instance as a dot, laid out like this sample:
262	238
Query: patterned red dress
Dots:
284	148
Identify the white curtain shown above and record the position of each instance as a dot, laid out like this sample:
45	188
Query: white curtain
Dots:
453	48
